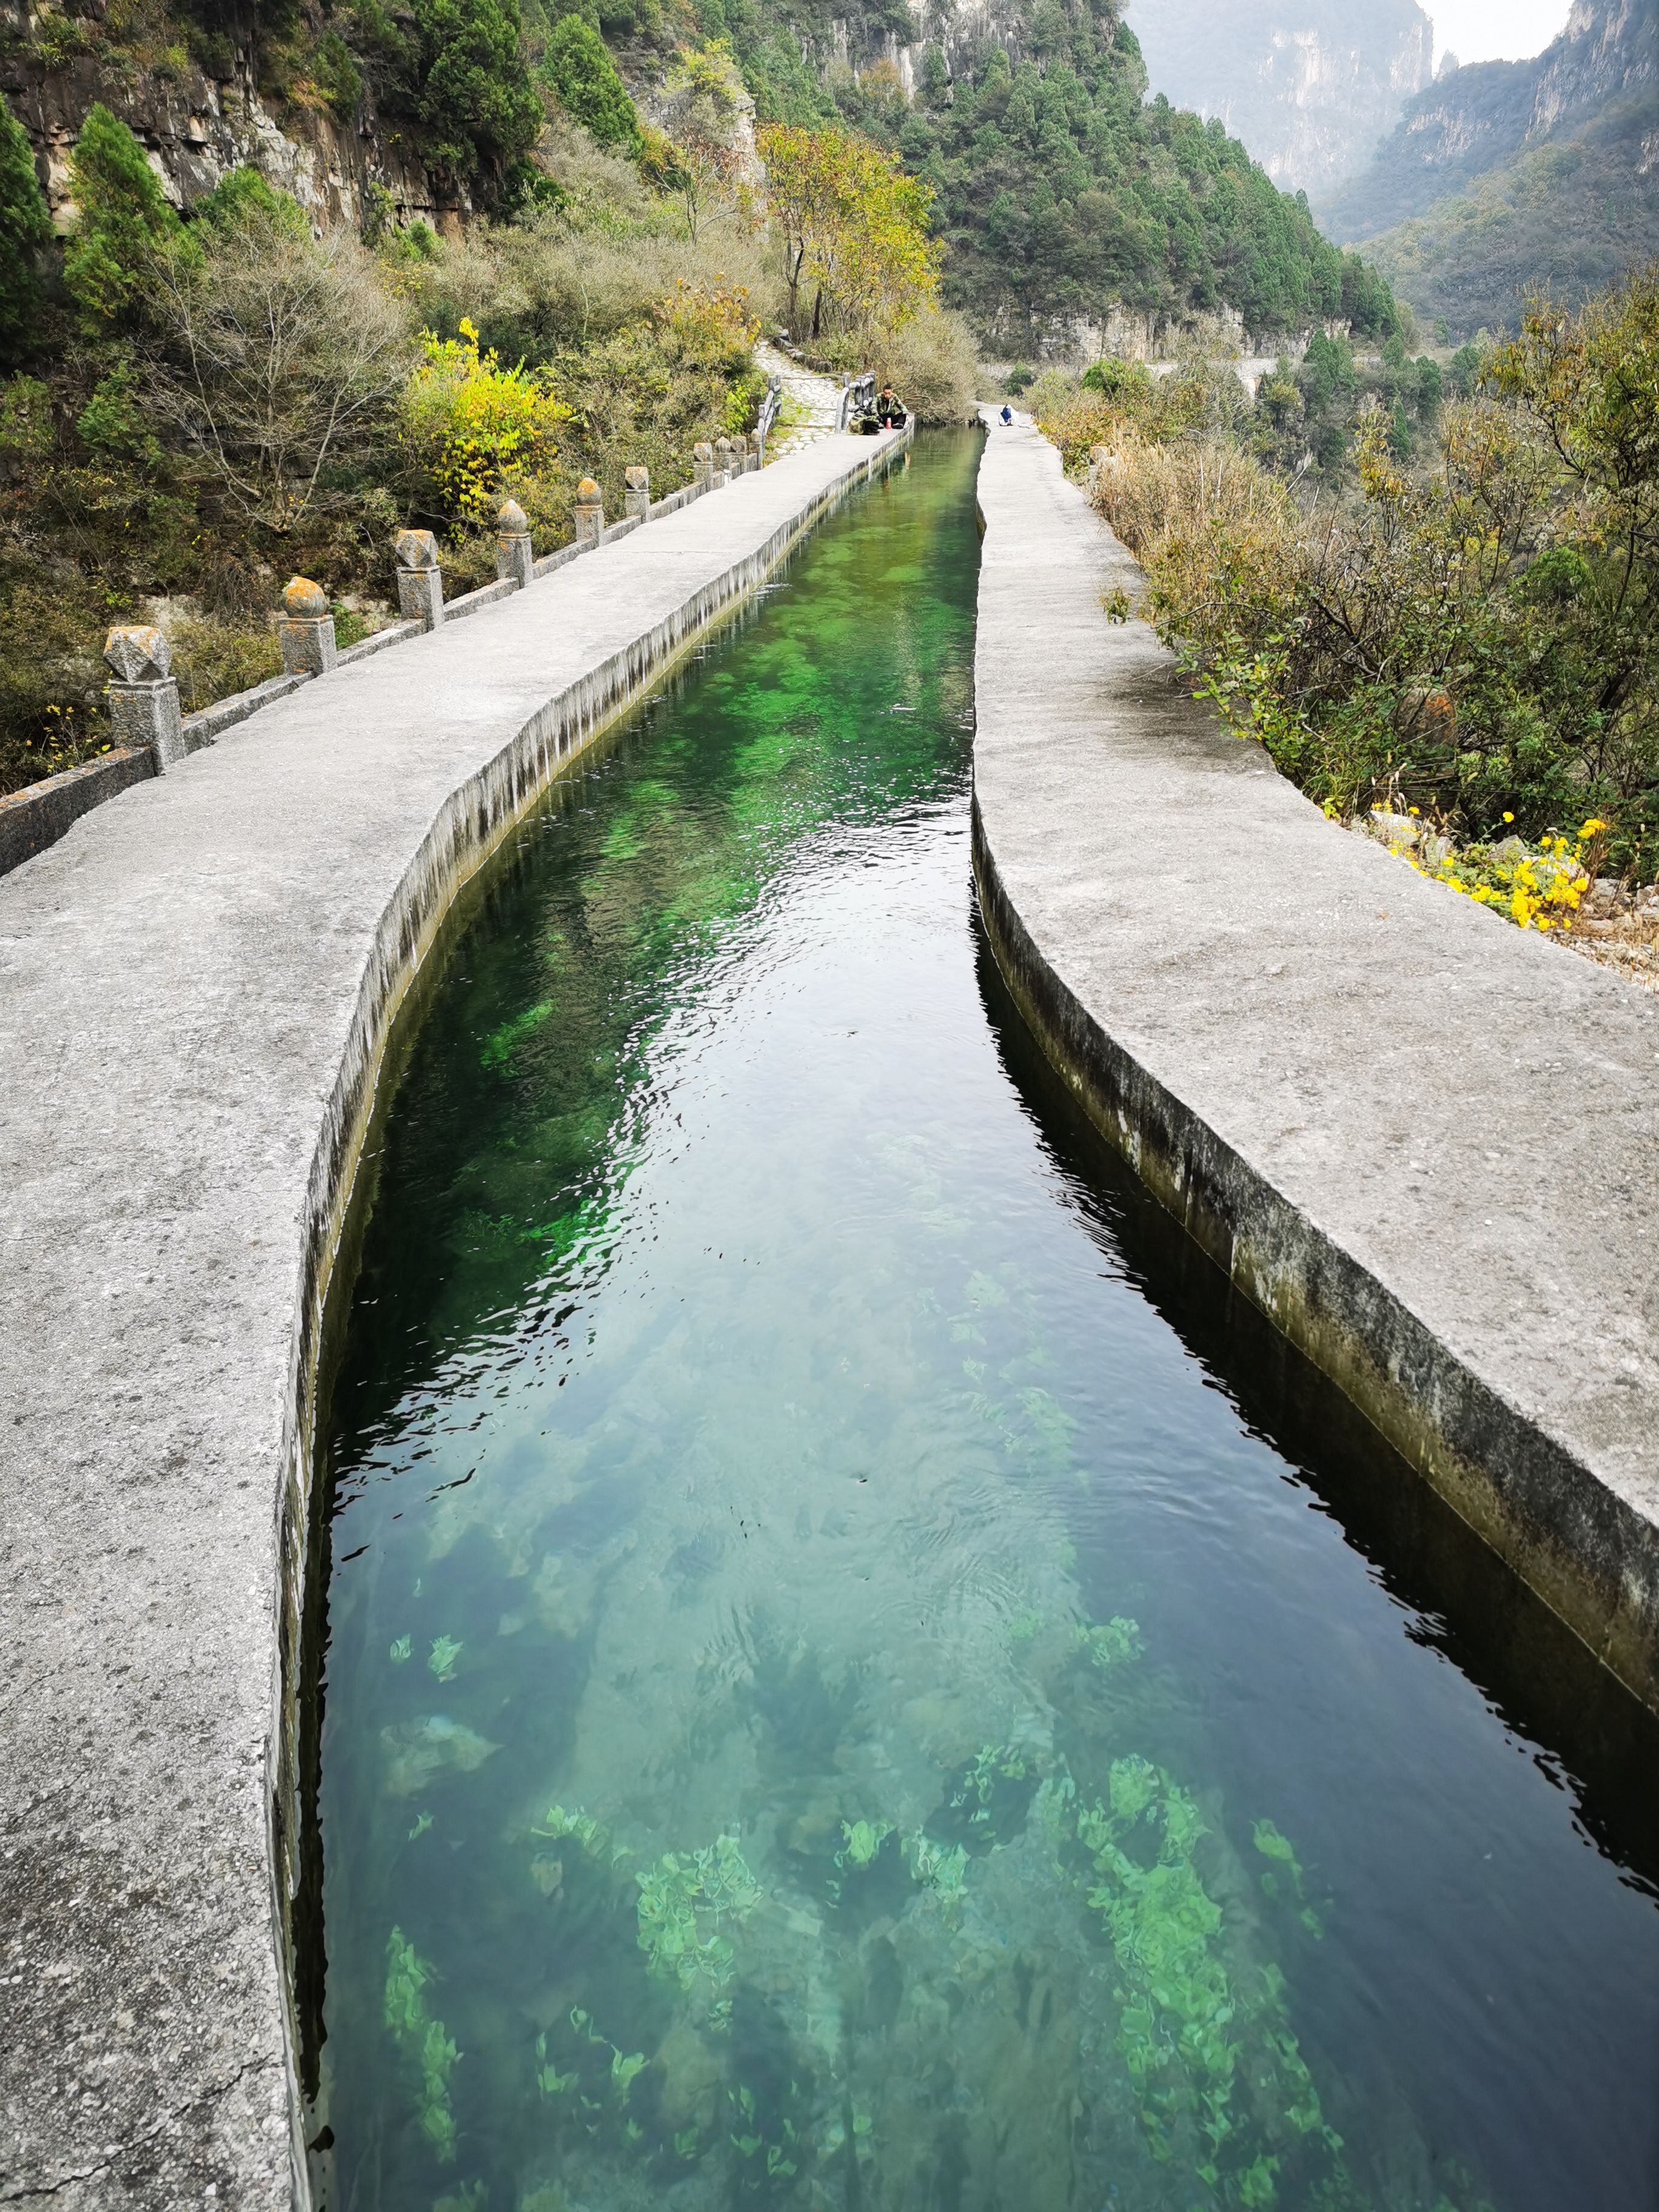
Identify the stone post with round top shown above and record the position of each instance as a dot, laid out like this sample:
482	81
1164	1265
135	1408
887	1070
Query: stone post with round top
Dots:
144	692
702	460
513	556
590	512
636	499
307	629
725	461
420	578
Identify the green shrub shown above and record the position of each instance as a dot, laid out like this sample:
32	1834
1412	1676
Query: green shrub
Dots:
244	197
112	423
579	70
123	219
479	110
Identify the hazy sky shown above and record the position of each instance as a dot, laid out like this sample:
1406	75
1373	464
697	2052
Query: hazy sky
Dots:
1494	30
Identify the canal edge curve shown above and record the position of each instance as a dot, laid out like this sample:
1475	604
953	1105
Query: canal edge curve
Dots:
198	986
1303	1051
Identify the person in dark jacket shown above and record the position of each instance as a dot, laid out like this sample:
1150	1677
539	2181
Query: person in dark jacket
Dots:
889	408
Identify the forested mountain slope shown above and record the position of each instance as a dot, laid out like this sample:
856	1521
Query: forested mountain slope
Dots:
1065	198
1569	215
1075	213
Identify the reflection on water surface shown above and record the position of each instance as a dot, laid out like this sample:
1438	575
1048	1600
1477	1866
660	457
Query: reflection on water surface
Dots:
831	1699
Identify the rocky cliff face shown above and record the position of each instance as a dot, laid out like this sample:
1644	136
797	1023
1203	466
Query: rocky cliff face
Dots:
1310	86
197	123
1477	119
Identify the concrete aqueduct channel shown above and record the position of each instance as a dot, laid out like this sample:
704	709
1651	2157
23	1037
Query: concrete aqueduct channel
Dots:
1422	1144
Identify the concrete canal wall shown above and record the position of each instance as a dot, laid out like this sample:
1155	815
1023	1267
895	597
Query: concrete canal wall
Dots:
197	985
1424	1142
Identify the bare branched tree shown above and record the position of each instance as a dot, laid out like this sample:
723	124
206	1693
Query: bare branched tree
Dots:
280	352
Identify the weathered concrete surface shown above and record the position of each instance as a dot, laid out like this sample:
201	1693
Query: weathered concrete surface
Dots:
32	819
195	986
1424	1142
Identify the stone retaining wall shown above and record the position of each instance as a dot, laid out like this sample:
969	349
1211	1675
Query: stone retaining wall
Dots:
197	987
1424	1142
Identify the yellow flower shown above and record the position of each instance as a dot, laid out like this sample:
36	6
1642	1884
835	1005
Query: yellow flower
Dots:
1509	817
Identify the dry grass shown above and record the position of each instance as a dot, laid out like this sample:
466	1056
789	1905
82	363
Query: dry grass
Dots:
1627	943
1151	494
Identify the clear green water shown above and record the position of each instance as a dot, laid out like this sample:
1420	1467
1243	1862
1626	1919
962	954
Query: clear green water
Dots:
852	1675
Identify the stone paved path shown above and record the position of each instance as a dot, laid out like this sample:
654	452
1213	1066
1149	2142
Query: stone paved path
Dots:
816	401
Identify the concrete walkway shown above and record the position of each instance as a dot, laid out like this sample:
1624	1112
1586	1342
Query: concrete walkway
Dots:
1424	1141
195	988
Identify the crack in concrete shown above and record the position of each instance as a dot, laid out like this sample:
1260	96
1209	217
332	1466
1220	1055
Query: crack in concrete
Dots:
164	2120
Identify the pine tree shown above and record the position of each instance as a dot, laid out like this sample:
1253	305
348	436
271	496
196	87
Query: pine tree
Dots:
124	217
476	102
25	232
579	69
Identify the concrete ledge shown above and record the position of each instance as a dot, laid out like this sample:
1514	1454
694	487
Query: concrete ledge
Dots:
550	562
377	640
203	729
197	987
1424	1143
485	596
39	816
672	501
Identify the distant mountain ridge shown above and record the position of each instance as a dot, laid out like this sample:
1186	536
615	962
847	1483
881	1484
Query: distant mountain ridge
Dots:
1568	217
1310	86
1473	121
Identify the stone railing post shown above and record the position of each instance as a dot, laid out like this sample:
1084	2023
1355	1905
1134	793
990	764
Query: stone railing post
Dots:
702	462
144	692
590	512
420	580
756	449
722	460
514	555
636	500
307	629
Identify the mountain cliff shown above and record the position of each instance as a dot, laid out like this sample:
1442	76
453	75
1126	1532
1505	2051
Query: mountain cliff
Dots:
1473	121
1511	175
1310	86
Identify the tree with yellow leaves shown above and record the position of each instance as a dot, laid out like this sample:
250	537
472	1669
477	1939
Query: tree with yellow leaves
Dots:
854	230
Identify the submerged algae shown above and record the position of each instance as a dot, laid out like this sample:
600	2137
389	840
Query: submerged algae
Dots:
423	2039
767	1490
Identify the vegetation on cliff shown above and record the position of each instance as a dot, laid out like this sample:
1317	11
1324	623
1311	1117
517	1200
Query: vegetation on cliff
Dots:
1508	175
1062	195
1571	215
